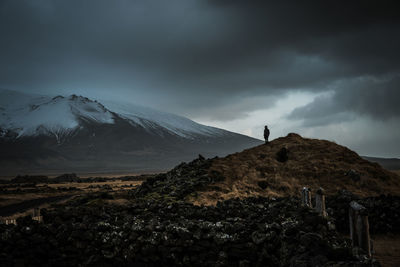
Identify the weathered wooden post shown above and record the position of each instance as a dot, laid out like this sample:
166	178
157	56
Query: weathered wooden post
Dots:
10	221
359	227
306	197
364	238
352	226
320	202
36	215
36	212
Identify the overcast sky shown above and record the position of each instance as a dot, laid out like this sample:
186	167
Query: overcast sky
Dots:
325	69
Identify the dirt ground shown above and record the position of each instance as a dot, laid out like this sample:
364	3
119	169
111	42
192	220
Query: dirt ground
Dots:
387	249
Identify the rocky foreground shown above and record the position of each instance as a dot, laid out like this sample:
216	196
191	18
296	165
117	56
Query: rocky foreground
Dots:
249	232
167	221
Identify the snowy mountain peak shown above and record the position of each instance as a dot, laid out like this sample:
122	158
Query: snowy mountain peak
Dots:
29	115
45	115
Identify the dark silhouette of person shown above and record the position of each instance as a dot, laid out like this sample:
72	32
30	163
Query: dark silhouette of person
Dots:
266	134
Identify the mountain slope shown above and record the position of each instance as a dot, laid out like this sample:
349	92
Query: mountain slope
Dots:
57	134
175	124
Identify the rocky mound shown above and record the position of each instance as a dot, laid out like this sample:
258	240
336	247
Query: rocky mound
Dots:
250	232
67	178
277	169
283	166
181	182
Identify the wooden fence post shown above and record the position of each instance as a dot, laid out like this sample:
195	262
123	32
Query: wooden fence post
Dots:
36	212
359	227
352	225
36	215
306	197
320	202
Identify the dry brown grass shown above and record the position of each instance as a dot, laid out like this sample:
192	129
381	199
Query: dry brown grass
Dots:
118	190
312	163
116	185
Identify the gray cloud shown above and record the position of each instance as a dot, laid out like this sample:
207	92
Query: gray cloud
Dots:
366	96
211	59
188	49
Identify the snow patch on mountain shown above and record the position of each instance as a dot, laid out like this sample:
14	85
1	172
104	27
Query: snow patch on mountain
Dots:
173	123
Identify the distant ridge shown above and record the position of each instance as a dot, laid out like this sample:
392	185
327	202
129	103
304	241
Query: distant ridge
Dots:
387	163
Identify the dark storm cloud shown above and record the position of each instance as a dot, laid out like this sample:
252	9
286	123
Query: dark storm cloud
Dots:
199	56
378	99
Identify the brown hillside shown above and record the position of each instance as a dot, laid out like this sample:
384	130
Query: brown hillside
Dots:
311	162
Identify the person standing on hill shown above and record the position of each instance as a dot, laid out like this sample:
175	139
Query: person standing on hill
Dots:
266	134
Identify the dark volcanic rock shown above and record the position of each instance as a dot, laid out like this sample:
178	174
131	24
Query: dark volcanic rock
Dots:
181	181
249	232
383	211
158	228
282	155
66	178
262	184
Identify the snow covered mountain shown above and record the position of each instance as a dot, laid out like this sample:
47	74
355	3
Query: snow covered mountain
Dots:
30	115
75	133
33	115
